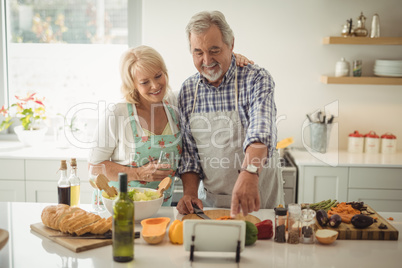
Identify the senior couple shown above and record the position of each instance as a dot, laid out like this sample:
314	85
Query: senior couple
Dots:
223	131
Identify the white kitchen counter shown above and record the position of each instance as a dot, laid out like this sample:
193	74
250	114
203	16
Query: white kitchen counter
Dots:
46	151
343	158
26	248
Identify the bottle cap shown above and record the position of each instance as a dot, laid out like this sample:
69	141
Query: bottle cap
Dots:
281	211
123	182
73	162
63	165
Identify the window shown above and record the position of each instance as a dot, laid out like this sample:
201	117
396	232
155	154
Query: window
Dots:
67	51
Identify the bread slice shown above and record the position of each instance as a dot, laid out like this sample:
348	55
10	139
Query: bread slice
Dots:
102	226
87	224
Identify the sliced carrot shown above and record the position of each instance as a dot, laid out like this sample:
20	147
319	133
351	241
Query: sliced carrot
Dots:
345	211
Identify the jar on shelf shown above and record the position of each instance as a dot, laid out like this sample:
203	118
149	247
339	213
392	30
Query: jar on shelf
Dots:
342	68
371	143
307	226
294	223
355	142
388	143
361	27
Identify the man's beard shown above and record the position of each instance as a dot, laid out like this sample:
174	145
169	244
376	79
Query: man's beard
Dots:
212	75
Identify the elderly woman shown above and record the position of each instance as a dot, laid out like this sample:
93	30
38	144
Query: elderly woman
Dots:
132	135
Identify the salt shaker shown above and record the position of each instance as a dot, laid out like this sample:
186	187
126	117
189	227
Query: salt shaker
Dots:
280	225
307	226
375	26
294	223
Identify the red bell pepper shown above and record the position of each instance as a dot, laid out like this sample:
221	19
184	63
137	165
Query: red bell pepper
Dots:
265	229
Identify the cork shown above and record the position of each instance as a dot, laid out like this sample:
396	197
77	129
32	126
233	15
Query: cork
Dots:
63	165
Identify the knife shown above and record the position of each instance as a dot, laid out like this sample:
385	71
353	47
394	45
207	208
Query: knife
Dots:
200	213
104	236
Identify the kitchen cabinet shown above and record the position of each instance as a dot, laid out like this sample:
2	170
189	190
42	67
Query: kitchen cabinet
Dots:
322	183
12	191
35	180
12	185
379	187
374	179
362	41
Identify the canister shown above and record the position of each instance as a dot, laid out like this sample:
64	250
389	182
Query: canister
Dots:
371	143
355	142
388	143
342	68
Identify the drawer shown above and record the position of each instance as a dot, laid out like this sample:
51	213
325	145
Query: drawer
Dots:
379	200
12	191
12	169
375	178
47	170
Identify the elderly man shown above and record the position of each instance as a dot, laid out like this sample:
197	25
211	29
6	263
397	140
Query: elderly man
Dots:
228	125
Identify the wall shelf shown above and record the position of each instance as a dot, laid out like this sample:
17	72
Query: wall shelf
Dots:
340	40
365	80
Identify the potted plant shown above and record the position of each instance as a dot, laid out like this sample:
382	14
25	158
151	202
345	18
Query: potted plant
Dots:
31	112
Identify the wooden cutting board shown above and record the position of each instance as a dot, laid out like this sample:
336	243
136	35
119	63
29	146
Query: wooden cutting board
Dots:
348	232
216	213
76	245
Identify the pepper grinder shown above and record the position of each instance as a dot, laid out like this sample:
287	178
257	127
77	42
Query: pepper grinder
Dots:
375	26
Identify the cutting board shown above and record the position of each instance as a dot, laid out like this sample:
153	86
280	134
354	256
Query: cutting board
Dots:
76	245
216	213
348	232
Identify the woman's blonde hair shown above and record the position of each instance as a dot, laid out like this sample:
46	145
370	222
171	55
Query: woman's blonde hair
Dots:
142	58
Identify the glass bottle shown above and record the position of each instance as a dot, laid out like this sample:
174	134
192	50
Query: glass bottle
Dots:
294	223
307	225
280	225
75	184
123	224
63	185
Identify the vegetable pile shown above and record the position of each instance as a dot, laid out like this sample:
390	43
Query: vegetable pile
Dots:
325	205
345	211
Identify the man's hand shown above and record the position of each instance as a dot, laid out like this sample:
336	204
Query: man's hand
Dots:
185	205
245	195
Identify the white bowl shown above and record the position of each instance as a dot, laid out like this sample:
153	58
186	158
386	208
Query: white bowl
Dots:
142	209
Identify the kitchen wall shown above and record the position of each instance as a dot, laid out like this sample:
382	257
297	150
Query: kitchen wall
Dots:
285	37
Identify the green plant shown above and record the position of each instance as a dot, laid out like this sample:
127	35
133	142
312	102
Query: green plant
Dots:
29	110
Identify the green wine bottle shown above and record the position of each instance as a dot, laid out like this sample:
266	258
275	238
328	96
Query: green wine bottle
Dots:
123	224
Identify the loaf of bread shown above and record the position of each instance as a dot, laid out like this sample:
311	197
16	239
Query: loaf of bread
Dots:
74	220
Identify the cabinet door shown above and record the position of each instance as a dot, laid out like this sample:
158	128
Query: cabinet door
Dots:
322	183
12	169
380	200
41	191
46	170
46	192
12	191
289	195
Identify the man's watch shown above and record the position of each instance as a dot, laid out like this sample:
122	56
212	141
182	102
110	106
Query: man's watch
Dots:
250	169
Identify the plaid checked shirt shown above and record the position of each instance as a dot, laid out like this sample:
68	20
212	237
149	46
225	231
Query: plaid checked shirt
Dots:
257	108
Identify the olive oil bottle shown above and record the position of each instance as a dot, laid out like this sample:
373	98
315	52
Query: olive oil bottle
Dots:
63	185
75	184
123	224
